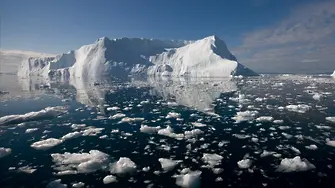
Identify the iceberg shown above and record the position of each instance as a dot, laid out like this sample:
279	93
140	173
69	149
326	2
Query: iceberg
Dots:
208	57
333	75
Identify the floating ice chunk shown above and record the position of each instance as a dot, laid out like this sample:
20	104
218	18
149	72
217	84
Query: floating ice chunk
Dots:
241	136
317	96
267	153
288	136
168	131
117	116
283	127
46	113
323	127
331	119
46	144
245	116
300	108
92	131
311	147
71	135
172	115
278	121
109	179
123	166
168	164
296	150
146	169
130	120
78	185
80	162
189	180
56	184
114	108
294	165
265	119
5	152
26	169
197	124
244	163
212	159
148	129
193	133
330	142
78	126
31	130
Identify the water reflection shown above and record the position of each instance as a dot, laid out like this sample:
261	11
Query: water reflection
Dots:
195	93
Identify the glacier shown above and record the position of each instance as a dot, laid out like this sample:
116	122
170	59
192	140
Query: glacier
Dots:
207	57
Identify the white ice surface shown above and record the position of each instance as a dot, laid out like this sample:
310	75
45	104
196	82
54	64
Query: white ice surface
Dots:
123	166
5	152
80	162
295	164
48	112
189	180
168	164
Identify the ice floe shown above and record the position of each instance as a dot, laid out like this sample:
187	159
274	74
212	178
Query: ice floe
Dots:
46	113
168	131
46	144
212	159
123	166
31	130
245	116
265	119
244	163
109	179
189	180
173	115
331	119
148	129
56	184
168	164
330	142
78	185
5	152
311	147
71	135
72	163
295	164
117	116
300	108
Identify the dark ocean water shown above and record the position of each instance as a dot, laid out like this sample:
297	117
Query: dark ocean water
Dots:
213	102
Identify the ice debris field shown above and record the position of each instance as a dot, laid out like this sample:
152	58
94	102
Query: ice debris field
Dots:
267	131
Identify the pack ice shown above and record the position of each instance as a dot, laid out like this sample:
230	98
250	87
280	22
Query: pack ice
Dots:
208	57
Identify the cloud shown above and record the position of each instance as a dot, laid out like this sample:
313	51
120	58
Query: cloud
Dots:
302	43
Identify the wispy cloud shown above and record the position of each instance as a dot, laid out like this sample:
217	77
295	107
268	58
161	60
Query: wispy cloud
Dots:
302	42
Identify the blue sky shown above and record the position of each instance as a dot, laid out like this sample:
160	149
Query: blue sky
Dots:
257	31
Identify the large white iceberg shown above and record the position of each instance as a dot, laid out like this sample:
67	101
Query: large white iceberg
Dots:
333	75
208	57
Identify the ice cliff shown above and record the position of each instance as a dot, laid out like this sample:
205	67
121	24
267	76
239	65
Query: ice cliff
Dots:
208	57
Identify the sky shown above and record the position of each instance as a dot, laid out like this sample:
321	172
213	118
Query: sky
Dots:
291	36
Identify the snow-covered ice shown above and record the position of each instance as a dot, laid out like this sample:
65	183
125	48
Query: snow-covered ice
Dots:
109	179
123	166
330	119
208	57
148	129
5	152
295	164
244	163
330	142
189	180
56	184
245	116
31	130
300	108
72	163
46	144
265	119
48	112
212	159
168	164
